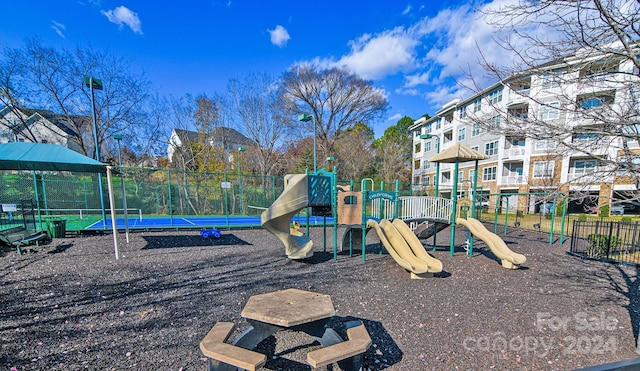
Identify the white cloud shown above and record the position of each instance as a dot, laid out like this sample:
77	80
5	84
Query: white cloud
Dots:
124	16
407	10
395	117
279	36
381	55
58	27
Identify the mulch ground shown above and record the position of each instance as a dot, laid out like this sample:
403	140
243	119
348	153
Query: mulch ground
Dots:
69	305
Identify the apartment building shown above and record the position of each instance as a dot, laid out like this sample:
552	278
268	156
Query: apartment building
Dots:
568	126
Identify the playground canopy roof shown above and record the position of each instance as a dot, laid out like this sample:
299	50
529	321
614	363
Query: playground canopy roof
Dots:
40	156
458	153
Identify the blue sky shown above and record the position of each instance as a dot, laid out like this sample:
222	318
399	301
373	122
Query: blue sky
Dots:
415	51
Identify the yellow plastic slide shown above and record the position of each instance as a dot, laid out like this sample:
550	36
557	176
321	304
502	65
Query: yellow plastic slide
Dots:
277	218
416	246
400	251
510	259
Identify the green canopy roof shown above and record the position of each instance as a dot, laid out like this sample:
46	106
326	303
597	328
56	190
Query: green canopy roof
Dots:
52	157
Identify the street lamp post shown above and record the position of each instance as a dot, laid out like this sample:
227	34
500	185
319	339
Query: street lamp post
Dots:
306	117
118	138
96	84
330	158
240	149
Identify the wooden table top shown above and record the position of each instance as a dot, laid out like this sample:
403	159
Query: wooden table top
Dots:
288	307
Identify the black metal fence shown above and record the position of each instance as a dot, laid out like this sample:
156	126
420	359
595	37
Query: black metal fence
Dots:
606	240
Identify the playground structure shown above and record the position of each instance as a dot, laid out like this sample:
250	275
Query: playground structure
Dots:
358	212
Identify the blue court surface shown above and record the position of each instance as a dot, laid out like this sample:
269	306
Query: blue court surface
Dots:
200	222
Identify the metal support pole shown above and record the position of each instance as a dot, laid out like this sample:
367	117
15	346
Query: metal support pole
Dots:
454	195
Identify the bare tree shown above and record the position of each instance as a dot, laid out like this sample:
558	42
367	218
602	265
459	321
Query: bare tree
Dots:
352	152
36	76
255	105
336	98
575	83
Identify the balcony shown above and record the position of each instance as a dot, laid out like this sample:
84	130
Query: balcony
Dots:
599	175
517	97
514	153
514	179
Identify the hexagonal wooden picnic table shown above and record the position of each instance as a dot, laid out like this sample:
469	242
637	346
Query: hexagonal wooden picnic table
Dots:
290	309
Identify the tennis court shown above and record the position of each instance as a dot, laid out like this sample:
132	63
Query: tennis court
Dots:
198	222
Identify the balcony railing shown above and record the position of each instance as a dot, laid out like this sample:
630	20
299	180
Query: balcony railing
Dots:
514	179
514	152
599	175
519	96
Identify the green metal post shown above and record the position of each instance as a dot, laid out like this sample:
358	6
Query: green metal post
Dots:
381	215
473	205
35	187
564	215
506	215
334	202
397	211
169	197
553	220
495	220
454	195
363	189
226	201
44	194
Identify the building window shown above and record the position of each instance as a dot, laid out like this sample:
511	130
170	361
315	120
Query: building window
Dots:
44	141
462	111
550	81
427	129
417	165
543	169
460	177
427	164
426	180
628	165
418	148
550	111
542	144
581	167
601	67
472	175
489	173
462	133
475	131
427	146
495	96
494	122
595	100
477	105
476	148
438	123
491	149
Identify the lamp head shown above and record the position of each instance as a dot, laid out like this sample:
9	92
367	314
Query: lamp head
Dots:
117	137
305	117
242	149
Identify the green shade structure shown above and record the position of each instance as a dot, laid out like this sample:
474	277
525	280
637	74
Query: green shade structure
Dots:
53	157
454	155
50	157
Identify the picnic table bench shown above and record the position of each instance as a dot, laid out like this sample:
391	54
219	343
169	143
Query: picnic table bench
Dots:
290	309
20	236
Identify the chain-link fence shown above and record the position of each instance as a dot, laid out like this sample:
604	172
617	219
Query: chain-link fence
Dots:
150	192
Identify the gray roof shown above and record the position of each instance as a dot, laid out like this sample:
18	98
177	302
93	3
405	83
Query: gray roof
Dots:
221	134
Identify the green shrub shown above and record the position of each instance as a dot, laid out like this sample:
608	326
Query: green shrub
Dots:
519	213
600	244
582	218
626	219
604	211
547	216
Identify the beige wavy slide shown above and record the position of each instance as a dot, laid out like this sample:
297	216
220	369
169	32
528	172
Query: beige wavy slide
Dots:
402	253
277	218
510	259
